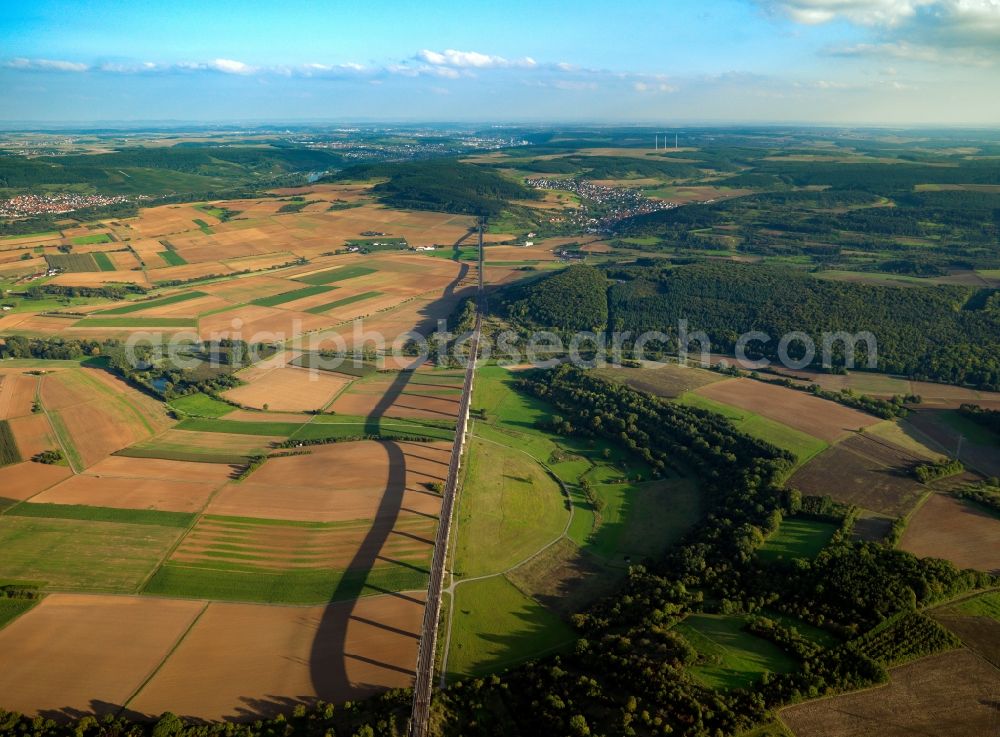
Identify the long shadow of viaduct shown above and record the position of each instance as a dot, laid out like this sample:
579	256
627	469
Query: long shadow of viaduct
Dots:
329	674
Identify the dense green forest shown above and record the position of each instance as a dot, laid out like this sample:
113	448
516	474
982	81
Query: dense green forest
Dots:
445	185
940	333
573	299
161	170
925	333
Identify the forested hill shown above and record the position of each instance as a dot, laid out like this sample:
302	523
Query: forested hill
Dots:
161	170
444	185
941	333
574	299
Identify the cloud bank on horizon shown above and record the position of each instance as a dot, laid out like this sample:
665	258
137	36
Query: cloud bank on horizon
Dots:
838	61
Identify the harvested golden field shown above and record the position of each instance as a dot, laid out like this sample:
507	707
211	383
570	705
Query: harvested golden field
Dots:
273	549
168	219
210	452
420	314
162	272
279	656
129	493
367	398
81	654
288	389
158	468
257	263
17	393
245	288
124	260
947	695
33	434
259	324
100	278
247	415
306	487
23	480
13	241
950	528
820	418
95	414
188	308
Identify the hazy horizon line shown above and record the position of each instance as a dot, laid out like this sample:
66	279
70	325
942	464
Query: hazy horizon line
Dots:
15	125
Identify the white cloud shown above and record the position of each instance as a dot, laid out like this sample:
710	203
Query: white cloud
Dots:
906	51
48	65
470	60
866	12
941	31
229	66
641	86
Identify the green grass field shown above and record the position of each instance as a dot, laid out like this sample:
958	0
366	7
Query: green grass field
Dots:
508	509
101	514
41	234
204	424
203	226
90	240
9	452
637	519
200	405
344	365
334	275
66	441
278	299
11	609
970	429
797	538
345	426
82	555
172	258
103	261
643	520
496	626
192	455
323	427
137	322
987	605
733	658
151	303
319	309
771	729
216	212
235	582
804	447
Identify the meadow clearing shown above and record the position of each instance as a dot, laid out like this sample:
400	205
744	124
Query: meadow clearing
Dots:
529	543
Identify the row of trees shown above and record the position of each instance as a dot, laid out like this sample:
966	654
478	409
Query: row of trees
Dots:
988	418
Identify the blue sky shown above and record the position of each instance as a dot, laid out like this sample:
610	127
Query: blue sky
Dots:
822	61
